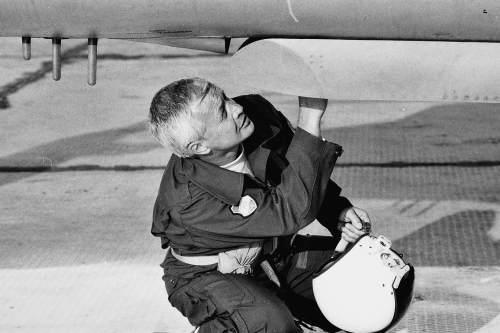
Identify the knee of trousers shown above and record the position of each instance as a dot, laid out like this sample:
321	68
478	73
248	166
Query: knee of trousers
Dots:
260	316
265	313
233	303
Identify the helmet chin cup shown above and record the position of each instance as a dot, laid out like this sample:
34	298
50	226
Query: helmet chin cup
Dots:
365	289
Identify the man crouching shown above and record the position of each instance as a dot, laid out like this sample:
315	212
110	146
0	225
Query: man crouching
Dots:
240	185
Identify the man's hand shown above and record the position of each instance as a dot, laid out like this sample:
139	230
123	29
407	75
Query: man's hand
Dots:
351	223
311	111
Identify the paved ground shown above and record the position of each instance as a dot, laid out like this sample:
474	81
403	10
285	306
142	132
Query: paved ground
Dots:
79	174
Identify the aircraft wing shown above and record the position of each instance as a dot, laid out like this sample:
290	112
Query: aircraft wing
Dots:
451	20
342	49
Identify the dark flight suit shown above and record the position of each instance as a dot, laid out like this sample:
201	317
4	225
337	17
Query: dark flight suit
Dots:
197	213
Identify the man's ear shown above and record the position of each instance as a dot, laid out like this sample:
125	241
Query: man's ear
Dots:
198	147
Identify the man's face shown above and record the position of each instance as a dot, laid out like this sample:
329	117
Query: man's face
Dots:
226	123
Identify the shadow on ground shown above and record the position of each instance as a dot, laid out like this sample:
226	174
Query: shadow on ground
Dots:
47	157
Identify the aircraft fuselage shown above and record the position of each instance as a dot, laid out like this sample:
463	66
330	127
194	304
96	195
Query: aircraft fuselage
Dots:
443	20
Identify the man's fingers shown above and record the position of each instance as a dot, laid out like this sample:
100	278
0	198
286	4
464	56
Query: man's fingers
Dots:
363	215
352	217
352	231
340	226
348	238
354	223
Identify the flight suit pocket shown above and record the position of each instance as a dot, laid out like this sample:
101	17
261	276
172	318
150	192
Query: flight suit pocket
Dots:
184	296
197	308
211	299
172	283
226	291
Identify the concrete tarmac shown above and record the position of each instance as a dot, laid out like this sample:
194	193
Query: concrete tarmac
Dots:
79	175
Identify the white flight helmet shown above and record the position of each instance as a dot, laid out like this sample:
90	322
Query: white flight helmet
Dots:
365	289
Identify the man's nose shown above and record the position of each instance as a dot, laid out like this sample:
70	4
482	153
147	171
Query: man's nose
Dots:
237	110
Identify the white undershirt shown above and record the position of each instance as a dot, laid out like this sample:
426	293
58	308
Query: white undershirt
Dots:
240	164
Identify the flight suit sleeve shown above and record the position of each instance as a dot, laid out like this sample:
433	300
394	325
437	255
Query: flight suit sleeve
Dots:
161	219
272	211
332	207
333	203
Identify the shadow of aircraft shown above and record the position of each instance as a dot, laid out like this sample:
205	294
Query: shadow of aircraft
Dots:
455	241
447	134
49	155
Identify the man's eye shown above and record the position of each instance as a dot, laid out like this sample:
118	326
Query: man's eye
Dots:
223	114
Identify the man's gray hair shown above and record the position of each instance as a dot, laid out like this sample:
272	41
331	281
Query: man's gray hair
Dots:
170	116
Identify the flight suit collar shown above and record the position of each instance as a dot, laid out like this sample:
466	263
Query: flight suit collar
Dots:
209	176
257	147
257	158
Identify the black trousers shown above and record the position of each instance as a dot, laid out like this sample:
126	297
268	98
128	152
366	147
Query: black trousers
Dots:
219	302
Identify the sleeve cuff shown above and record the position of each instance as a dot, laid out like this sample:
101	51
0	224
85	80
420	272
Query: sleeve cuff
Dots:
310	142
